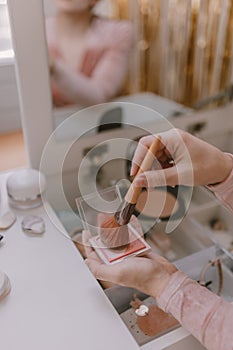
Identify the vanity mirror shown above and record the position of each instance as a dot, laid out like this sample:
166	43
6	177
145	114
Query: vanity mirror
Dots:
39	118
89	52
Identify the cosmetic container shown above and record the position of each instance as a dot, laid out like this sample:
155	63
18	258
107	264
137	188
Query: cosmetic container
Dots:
25	188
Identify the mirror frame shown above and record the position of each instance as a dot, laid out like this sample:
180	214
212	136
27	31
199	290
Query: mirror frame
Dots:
32	74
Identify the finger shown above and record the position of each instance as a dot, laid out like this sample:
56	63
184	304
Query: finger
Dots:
140	153
157	178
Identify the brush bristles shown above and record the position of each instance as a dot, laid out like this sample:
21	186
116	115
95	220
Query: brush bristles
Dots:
112	234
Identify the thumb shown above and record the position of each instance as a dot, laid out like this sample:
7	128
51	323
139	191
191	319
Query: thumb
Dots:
157	178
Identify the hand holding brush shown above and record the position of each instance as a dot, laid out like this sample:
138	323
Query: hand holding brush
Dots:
113	231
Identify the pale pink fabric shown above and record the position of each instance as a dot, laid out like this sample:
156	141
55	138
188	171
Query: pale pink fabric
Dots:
208	317
105	65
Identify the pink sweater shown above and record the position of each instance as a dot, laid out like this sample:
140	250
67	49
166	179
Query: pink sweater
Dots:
104	65
208	317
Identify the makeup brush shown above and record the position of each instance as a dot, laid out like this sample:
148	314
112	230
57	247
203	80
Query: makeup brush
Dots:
113	231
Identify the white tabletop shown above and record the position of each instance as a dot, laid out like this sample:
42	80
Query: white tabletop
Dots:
55	302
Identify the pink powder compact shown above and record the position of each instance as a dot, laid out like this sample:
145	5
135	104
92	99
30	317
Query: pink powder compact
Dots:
136	245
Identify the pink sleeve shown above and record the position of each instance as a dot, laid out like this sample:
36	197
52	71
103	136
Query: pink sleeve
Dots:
224	190
110	73
208	317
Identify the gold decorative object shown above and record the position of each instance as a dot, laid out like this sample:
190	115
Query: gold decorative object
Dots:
184	48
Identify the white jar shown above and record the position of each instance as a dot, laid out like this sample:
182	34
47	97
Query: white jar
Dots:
25	188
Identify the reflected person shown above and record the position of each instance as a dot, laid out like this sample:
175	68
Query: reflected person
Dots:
88	55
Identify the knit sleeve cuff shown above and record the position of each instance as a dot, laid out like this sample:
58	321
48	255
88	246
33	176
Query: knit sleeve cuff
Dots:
175	282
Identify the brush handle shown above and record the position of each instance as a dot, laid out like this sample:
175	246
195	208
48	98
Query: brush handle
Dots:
134	192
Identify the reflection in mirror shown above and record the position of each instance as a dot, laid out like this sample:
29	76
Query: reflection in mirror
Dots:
183	50
102	49
88	52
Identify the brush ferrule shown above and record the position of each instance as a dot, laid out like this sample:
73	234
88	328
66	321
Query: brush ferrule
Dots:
124	213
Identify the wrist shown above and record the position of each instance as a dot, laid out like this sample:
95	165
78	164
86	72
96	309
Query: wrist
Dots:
174	286
164	279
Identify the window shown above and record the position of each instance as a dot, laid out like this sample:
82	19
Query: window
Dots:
6	50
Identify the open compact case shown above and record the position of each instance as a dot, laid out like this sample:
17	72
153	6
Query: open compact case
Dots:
112	244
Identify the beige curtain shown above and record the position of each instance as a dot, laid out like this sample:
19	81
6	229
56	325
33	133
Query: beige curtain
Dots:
184	48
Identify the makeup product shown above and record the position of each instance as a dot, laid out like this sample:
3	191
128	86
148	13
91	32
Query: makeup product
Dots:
136	245
150	319
33	224
126	209
111	236
145	320
25	187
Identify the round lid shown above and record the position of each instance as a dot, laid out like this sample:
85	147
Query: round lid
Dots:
26	184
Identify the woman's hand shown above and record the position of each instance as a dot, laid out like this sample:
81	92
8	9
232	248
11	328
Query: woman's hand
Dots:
182	160
149	273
